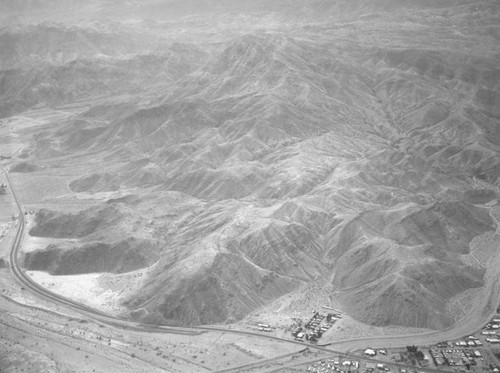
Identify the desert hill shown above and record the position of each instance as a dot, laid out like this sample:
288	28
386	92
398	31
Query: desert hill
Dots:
349	144
53	64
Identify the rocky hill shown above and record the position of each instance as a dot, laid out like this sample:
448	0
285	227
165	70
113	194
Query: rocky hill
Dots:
353	144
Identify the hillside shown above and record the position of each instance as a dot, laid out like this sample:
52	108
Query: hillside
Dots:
244	155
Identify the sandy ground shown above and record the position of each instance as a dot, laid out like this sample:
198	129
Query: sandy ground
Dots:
464	308
281	317
102	291
85	289
37	336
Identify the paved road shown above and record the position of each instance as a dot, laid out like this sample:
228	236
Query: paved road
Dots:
102	317
28	283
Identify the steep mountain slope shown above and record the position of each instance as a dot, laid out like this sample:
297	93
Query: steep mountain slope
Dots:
53	64
356	152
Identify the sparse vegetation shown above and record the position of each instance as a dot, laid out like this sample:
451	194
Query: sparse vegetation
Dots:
249	160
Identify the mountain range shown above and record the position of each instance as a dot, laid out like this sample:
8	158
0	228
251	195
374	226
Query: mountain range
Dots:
260	148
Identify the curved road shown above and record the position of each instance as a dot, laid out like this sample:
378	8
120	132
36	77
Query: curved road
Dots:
28	283
105	318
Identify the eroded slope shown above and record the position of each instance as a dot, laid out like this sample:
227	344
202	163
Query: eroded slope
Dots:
361	153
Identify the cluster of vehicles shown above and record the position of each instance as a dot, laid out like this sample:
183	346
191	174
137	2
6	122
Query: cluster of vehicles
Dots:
455	357
333	365
316	327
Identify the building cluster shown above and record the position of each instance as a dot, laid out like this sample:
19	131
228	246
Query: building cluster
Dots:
455	357
333	365
372	352
490	331
264	327
346	365
376	367
467	342
315	327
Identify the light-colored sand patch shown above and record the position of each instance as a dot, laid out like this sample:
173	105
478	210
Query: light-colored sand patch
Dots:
283	313
40	243
34	118
7	210
97	290
4	228
125	283
458	305
81	288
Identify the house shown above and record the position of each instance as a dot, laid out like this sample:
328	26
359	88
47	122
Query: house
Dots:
370	352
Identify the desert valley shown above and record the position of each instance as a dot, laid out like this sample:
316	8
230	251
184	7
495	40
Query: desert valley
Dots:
193	181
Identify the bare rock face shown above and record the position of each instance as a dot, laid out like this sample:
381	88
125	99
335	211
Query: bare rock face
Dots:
348	143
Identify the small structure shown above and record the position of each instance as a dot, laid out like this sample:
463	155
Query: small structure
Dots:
370	352
485	332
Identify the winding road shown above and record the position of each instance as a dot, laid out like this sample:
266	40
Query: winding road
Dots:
28	284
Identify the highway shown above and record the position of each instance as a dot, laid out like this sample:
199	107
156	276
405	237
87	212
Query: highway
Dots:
28	284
